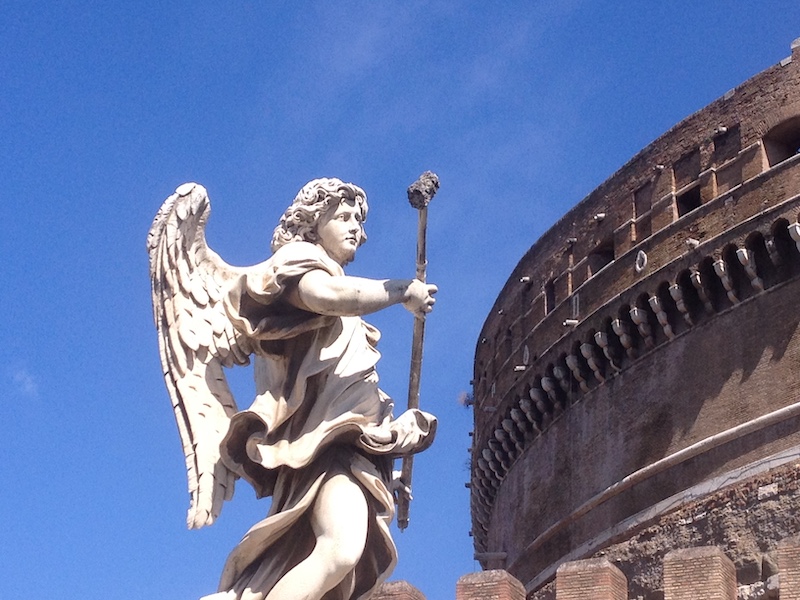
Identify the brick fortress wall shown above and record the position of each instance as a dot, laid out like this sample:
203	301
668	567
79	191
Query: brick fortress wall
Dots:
703	572
639	367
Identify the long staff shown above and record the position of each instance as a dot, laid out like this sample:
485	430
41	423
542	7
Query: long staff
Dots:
420	194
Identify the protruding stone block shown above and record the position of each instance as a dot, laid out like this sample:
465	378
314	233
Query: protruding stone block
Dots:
593	579
703	572
489	585
789	568
398	590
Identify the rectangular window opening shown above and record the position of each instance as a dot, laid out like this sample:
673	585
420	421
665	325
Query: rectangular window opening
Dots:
602	255
688	201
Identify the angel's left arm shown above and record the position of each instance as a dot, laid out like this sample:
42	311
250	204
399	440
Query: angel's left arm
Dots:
342	295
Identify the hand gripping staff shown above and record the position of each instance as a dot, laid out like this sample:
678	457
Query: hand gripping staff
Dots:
420	194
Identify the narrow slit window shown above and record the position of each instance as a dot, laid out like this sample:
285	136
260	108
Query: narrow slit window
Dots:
549	296
642	204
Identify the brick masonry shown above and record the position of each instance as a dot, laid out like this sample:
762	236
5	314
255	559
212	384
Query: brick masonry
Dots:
595	579
789	565
659	314
489	585
697	573
398	590
703	572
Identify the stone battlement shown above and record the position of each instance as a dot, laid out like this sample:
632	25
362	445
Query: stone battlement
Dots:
700	572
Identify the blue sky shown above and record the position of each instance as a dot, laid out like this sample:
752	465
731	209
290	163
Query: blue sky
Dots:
521	107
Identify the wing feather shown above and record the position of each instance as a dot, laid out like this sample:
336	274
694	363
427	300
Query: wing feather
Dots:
196	339
240	357
184	276
213	289
198	290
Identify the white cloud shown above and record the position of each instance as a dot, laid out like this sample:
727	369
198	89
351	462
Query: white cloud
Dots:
358	41
24	383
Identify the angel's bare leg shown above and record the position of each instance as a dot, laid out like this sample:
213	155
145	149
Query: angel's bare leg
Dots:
339	521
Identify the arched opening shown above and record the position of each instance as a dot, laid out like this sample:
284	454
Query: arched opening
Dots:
542	404
617	353
565	378
552	388
627	332
712	285
648	324
742	287
786	249
759	255
668	305
533	410
691	297
580	370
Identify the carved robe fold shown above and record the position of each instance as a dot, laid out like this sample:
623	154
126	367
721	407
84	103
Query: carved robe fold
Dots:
318	412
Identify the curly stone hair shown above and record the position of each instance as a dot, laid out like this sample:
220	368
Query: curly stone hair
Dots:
299	222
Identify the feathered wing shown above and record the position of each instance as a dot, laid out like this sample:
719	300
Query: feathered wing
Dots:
196	339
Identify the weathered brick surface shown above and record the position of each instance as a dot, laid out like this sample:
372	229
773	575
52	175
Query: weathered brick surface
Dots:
398	590
789	568
594	579
770	96
674	398
610	404
695	573
489	585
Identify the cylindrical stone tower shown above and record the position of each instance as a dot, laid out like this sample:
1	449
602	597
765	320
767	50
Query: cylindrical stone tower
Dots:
637	383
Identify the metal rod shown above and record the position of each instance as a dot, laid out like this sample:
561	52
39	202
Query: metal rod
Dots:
415	370
420	193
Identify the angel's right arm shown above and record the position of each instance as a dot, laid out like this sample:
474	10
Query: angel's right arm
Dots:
342	295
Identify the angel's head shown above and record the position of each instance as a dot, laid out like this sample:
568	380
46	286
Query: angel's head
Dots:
327	212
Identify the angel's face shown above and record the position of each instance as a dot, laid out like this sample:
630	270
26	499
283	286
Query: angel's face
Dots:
340	231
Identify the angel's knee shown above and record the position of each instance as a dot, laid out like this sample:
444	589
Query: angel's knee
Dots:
339	556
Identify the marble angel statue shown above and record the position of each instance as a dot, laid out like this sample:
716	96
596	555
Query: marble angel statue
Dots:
319	437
